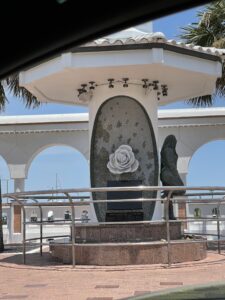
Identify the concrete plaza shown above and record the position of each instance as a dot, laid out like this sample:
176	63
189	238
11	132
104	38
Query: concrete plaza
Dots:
45	278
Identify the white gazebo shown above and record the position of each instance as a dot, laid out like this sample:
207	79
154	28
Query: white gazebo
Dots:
133	64
183	70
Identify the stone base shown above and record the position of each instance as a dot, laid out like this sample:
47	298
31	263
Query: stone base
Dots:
113	254
128	244
118	233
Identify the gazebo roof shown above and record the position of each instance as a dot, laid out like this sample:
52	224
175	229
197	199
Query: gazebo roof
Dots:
187	70
132	36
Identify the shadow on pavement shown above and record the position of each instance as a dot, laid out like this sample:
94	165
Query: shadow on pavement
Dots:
32	259
208	292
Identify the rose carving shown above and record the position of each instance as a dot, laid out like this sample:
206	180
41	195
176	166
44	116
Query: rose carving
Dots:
122	161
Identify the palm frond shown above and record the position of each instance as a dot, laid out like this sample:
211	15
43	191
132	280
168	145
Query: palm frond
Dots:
197	35
220	83
209	28
13	86
209	31
3	98
201	101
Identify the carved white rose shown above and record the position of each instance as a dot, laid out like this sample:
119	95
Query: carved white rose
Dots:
122	161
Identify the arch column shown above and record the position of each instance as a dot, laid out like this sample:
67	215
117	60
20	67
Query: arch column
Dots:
18	174
19	184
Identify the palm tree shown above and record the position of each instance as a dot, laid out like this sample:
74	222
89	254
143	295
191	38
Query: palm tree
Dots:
208	32
12	85
1	228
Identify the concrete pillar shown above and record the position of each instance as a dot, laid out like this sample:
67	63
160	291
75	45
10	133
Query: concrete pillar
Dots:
147	100
17	213
19	184
17	219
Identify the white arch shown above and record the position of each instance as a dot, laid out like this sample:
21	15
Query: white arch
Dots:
43	148
210	169
5	161
6	184
202	145
190	138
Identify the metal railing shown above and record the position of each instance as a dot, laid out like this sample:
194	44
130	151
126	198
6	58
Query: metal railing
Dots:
35	199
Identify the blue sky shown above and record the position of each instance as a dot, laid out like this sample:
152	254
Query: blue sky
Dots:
69	166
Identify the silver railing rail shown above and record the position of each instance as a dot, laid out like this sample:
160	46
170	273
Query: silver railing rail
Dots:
40	199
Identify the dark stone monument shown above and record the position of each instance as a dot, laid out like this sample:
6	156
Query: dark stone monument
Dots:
123	153
169	174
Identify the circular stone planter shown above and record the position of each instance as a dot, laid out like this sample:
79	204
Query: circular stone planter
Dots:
129	244
112	254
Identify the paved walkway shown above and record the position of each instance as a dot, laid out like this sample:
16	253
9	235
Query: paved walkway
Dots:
45	278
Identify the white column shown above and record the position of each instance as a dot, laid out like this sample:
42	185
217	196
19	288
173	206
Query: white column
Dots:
183	177
19	184
17	215
18	174
147	99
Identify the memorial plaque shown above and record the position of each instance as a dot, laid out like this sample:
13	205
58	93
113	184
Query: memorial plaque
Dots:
124	195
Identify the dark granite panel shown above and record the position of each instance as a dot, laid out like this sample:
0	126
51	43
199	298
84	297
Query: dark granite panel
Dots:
124	195
120	121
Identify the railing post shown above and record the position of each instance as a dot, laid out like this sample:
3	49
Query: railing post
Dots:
24	235
168	229
72	230
41	229
218	228
73	236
